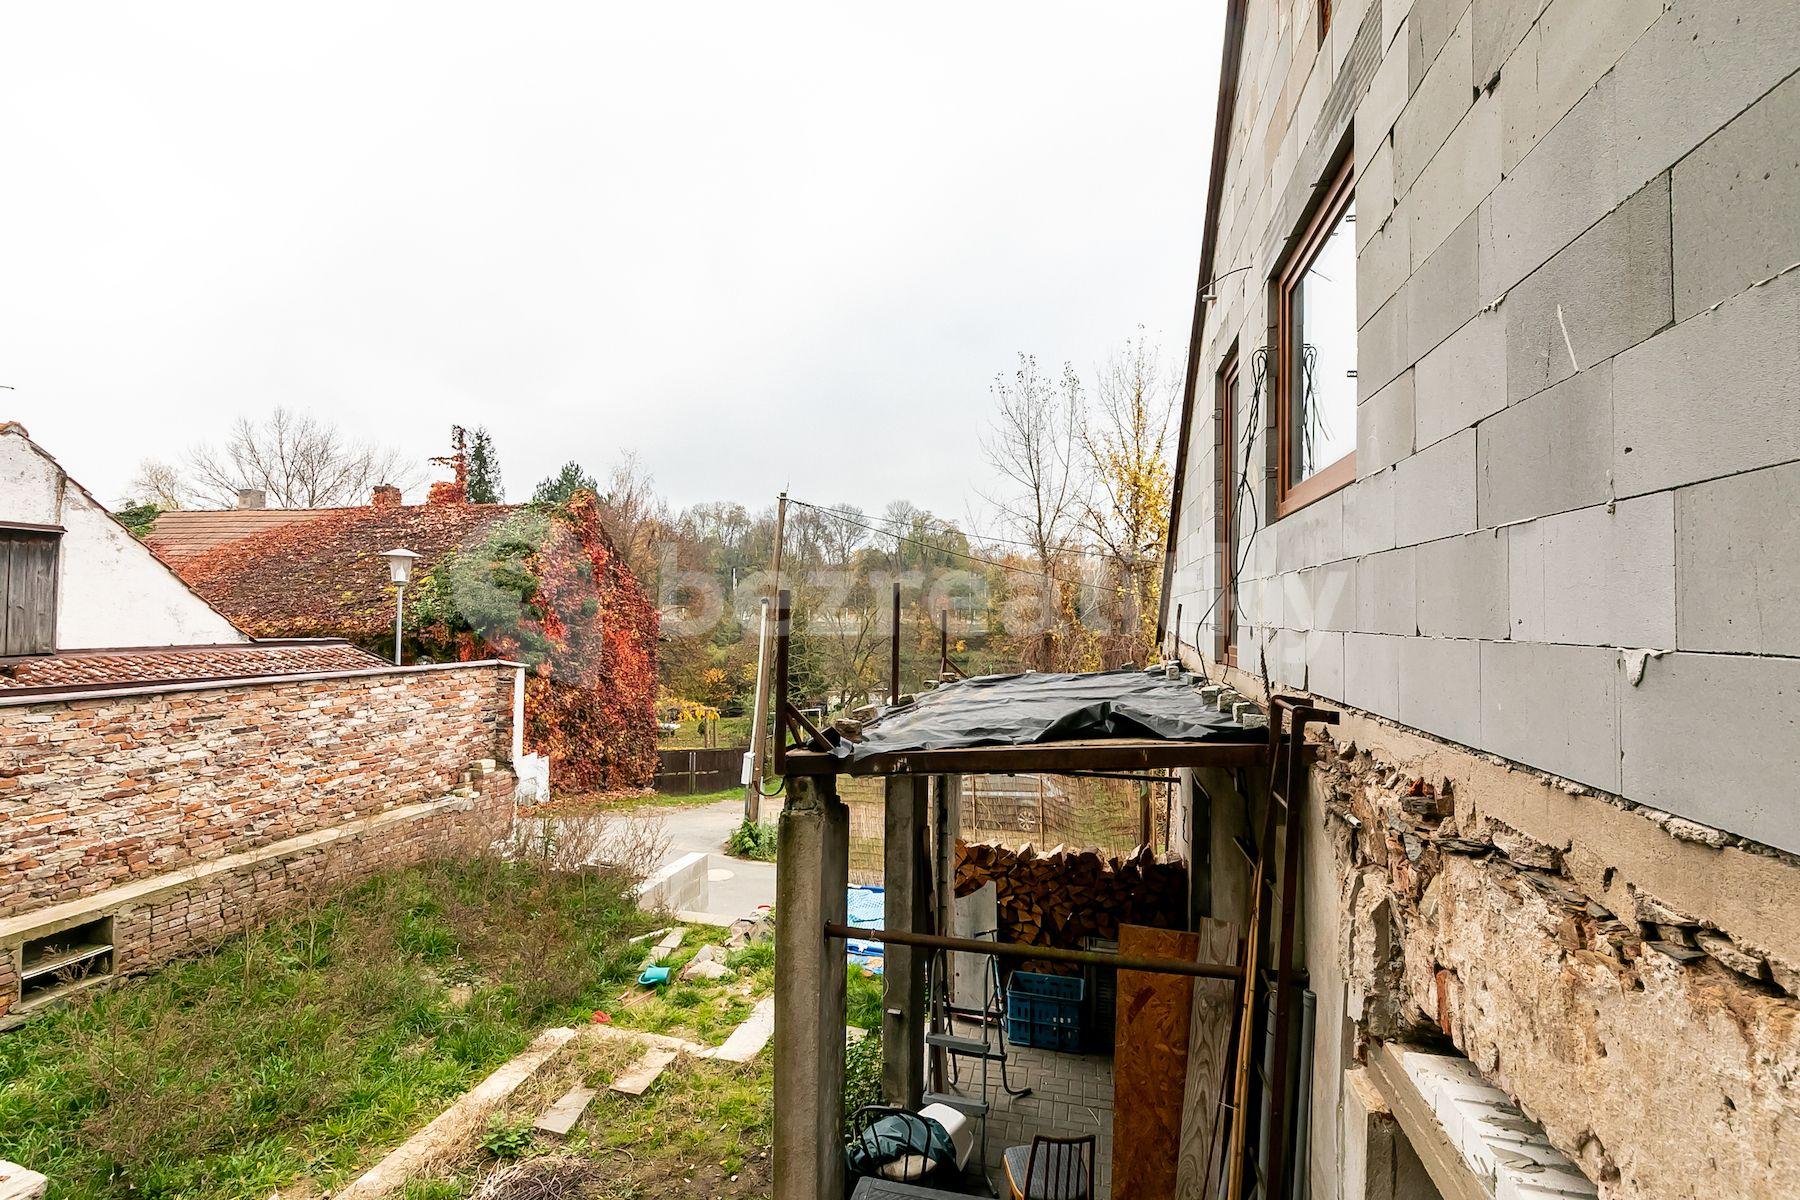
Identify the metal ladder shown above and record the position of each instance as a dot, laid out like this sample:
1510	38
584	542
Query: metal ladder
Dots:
990	1047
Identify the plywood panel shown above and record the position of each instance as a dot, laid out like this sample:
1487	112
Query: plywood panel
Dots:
1209	1035
1150	1057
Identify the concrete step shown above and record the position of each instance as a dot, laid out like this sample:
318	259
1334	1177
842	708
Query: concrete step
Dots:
649	1068
563	1116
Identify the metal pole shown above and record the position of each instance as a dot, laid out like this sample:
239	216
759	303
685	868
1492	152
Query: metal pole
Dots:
759	742
399	612
779	700
894	661
1020	950
759	719
943	642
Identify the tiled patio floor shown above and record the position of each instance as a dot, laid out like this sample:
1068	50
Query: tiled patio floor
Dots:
1071	1095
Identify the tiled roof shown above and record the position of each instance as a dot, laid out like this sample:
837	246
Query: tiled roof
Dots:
181	664
179	537
325	577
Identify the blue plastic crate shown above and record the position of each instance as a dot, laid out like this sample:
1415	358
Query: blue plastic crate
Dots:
1044	1011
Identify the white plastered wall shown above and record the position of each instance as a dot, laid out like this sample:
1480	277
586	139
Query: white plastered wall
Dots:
111	590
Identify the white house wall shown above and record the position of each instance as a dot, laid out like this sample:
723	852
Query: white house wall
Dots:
1578	433
111	590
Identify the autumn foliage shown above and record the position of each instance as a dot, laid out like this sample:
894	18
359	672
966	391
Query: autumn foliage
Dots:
536	584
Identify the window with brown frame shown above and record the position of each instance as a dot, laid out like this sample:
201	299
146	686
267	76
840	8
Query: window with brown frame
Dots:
1315	381
1227	476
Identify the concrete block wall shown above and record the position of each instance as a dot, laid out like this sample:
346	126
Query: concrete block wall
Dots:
95	793
1572	538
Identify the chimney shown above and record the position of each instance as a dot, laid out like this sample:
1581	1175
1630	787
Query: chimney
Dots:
252	498
386	496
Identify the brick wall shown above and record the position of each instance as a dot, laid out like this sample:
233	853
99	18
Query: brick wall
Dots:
96	793
202	916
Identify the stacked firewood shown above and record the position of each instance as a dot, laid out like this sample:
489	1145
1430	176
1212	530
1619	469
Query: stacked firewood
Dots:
1061	897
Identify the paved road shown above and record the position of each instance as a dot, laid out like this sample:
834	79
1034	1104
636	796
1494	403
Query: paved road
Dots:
736	886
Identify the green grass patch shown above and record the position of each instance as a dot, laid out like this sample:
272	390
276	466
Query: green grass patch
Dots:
301	1050
753	840
701	1010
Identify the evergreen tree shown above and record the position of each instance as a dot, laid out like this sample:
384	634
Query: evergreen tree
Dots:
484	470
557	488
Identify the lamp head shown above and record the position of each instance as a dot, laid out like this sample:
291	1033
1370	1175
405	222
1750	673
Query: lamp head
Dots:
400	565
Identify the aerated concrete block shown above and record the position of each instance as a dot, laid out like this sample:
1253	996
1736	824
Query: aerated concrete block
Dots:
1547	454
1594	577
1443	96
1440	687
1462	586
1369	514
1386	600
1384	427
1462	380
1714	738
1444	291
1712	396
1606	291
1457	179
1737	563
1554	708
1498	27
1434	491
1736	203
1666	107
1372	672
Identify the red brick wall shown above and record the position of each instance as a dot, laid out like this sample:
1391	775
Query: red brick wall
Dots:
94	793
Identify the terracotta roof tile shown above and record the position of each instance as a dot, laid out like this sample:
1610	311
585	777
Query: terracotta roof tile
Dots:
178	537
181	664
325	576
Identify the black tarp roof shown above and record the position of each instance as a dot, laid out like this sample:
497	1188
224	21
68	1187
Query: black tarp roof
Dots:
1021	710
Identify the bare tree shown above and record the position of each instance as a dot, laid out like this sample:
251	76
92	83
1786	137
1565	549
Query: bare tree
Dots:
634	515
158	483
297	461
1032	445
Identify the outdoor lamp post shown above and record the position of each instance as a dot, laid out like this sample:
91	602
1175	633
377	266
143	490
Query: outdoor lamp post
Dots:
400	565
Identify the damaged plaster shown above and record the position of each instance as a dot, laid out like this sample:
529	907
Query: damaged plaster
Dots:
1659	1052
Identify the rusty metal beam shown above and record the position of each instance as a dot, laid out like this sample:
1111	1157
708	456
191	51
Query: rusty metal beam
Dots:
1020	950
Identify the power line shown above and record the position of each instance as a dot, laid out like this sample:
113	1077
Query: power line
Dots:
963	554
857	517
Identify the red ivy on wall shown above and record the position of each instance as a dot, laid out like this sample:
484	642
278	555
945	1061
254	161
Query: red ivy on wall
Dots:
582	622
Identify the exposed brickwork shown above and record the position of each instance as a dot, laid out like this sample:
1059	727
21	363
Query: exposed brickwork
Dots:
96	793
205	915
150	935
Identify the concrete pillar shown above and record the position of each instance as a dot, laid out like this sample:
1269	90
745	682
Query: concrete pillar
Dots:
811	888
946	821
1370	1143
907	907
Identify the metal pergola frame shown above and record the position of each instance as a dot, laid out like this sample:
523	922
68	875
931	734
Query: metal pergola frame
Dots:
815	922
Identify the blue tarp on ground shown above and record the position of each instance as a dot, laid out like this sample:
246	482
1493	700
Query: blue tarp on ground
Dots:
867	909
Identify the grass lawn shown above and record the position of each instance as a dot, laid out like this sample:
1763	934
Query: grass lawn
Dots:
300	1051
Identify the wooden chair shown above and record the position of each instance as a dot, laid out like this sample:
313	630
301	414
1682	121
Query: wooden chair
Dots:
1051	1168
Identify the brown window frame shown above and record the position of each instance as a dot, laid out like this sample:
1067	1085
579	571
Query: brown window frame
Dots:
1292	497
1324	19
1225	411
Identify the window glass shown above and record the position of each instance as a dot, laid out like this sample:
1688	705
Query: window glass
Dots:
1324	348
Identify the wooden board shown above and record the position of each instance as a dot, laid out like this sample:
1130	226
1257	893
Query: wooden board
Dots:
1150	1055
1209	1036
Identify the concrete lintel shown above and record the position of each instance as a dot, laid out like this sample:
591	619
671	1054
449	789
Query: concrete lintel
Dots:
811	888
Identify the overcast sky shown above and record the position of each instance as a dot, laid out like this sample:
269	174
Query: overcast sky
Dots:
760	244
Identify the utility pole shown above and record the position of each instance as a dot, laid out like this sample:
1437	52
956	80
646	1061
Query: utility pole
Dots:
894	663
759	733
